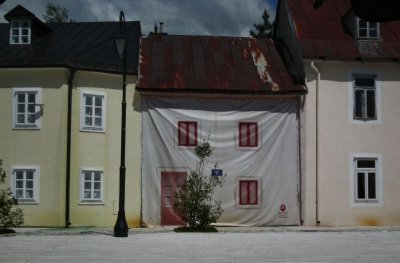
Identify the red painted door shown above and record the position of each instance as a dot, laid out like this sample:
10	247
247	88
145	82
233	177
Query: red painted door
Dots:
170	183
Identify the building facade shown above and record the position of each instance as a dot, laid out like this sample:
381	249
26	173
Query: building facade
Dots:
60	95
236	94
349	143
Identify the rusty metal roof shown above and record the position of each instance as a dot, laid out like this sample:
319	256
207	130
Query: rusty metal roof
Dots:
210	64
322	33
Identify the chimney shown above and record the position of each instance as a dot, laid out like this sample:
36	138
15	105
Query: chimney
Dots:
161	27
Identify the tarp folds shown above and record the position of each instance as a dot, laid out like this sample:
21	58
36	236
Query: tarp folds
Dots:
273	163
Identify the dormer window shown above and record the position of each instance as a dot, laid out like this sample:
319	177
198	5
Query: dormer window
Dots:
367	30
20	32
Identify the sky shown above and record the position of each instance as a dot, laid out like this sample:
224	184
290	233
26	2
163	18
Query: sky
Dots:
180	17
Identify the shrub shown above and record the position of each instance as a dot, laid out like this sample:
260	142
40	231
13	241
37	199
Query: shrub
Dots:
194	202
9	215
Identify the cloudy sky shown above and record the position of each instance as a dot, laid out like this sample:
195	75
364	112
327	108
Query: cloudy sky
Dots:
193	17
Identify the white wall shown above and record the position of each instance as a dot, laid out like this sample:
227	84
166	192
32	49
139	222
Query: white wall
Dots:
339	137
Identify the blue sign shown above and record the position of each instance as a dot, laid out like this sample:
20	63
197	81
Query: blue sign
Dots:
217	172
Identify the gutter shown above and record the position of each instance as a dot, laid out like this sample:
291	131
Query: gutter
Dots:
222	92
318	73
68	161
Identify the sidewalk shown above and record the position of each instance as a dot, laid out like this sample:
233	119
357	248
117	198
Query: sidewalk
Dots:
221	229
232	244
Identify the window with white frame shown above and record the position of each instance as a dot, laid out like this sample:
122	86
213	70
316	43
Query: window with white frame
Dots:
27	110
248	135
25	183
365	176
248	193
20	32
93	111
91	186
366	179
187	133
367	30
365	98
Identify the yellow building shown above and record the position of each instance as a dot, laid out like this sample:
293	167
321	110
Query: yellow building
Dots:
60	97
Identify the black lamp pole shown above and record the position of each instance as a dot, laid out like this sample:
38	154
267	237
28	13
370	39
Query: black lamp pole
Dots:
121	227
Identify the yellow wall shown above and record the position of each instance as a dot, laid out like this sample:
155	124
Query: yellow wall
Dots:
47	147
102	150
339	137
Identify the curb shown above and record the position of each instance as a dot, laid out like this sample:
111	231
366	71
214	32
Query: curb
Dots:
78	231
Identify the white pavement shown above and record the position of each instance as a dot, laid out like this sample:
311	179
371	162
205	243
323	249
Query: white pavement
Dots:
342	246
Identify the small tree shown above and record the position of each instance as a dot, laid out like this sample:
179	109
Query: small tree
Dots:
264	29
194	202
56	14
9	215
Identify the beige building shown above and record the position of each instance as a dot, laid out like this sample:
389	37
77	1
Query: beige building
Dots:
60	97
350	116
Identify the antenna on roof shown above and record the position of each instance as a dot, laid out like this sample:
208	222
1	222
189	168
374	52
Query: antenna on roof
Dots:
155	28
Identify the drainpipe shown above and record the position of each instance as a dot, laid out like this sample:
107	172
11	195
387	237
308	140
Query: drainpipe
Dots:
300	159
68	163
316	70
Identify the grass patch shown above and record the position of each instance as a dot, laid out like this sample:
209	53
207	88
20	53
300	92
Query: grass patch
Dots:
185	229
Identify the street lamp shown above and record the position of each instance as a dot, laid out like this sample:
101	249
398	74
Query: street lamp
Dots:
121	227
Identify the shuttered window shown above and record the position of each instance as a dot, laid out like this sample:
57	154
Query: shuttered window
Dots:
187	133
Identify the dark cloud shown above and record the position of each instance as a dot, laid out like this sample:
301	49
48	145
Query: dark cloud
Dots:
194	17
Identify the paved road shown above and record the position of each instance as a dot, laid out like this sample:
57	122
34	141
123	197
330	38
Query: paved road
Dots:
355	246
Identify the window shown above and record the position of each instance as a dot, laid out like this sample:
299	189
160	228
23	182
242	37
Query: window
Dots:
91	186
93	107
248	193
25	184
187	133
248	134
20	32
27	109
366	179
365	176
364	98
367	29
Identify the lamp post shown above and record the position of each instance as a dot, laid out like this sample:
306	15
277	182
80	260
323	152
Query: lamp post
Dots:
121	227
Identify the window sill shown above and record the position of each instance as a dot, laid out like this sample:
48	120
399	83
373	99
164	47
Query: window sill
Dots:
365	122
91	203
20	127
248	148
366	204
27	202
248	206
93	130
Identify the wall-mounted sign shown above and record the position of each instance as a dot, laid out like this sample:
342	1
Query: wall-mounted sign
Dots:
217	172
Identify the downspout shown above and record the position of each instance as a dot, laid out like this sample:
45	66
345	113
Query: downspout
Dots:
316	70
68	164
300	159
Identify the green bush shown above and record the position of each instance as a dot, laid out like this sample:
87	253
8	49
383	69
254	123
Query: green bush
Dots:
9	215
194	201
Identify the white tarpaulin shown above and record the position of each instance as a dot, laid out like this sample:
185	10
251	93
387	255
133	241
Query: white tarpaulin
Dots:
273	163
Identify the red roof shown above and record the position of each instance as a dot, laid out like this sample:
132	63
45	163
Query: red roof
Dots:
212	65
323	34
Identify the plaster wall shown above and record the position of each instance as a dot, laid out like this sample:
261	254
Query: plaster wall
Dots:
102	150
339	137
45	147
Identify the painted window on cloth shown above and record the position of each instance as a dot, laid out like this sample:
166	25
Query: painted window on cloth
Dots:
187	133
248	134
